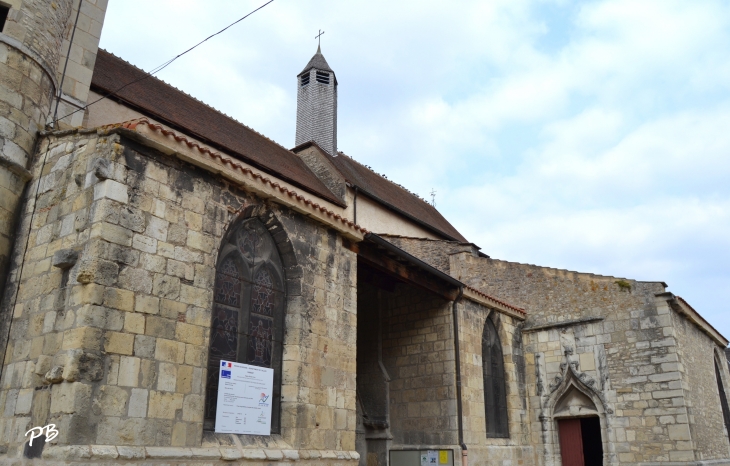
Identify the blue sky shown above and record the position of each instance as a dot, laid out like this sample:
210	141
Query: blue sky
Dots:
590	136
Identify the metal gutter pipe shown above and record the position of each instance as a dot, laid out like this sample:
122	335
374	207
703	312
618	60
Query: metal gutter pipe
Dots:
457	359
354	206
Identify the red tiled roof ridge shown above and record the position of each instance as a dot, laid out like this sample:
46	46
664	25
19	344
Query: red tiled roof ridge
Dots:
132	125
196	99
497	300
340	153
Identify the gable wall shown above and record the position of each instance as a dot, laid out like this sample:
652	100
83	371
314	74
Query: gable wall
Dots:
377	218
107	111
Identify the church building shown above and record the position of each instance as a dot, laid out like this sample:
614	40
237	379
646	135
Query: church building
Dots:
148	243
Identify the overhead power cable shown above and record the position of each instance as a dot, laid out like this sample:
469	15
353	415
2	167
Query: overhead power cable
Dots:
160	67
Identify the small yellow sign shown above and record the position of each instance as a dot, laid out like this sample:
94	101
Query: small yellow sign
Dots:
443	457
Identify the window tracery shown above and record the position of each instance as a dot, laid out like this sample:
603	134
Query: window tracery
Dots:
248	310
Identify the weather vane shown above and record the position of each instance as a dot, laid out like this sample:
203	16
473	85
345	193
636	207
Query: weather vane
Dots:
433	197
318	37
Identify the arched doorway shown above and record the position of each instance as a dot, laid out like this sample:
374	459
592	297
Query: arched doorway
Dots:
579	429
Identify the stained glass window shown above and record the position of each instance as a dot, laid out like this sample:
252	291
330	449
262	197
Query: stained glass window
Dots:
248	311
495	394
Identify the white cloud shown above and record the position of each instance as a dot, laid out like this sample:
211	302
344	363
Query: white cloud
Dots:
584	135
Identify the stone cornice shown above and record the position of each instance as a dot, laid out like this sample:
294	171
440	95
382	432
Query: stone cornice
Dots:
682	307
491	302
564	323
15	167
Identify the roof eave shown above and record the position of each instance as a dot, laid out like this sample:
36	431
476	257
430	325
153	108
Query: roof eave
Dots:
211	143
682	307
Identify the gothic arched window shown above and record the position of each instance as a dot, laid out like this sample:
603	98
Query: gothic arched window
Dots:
248	310
723	399
495	394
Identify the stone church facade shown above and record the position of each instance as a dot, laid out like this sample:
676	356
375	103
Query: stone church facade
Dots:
149	237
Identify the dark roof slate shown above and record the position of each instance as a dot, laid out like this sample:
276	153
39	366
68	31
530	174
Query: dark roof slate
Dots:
383	190
317	62
157	99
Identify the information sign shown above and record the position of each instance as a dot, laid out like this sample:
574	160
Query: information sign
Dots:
244	399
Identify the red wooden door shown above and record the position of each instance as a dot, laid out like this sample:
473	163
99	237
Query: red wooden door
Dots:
571	442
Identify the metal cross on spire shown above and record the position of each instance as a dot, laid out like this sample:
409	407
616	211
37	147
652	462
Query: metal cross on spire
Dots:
318	37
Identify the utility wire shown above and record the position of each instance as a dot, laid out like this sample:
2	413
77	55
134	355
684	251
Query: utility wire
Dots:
65	65
161	67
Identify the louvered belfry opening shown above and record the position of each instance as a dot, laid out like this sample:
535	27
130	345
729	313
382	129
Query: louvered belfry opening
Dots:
495	393
248	311
723	399
304	80
323	77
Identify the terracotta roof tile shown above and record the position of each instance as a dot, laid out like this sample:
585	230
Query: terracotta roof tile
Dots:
157	99
489	297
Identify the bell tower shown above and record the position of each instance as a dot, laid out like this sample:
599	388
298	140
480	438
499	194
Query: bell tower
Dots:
317	104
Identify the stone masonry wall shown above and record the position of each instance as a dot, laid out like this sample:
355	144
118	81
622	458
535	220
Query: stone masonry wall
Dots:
516	449
81	61
40	28
29	54
114	350
434	252
697	353
418	352
610	334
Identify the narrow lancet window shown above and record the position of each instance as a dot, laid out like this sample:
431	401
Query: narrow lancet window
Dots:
248	310
495	394
723	399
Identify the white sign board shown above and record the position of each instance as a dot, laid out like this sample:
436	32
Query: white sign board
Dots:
244	399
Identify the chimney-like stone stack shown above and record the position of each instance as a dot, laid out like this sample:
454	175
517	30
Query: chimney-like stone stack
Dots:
317	104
